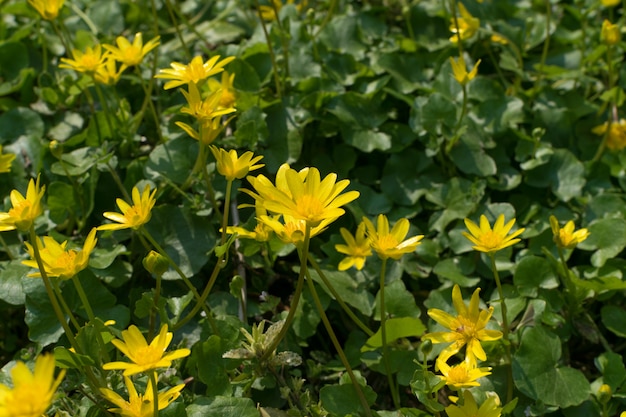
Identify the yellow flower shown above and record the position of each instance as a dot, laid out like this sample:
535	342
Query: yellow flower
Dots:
470	409
468	25
59	261
462	375
357	248
204	110
145	356
269	12
209	129
610	33
488	240
5	161
131	54
616	138
107	73
292	230
467	328
226	86
133	216
194	72
610	3
140	405
25	210
48	9
303	195
261	232
390	244
460	71
233	167
566	237
88	62
32	392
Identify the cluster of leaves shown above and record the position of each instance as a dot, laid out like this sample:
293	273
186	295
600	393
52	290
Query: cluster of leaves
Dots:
365	90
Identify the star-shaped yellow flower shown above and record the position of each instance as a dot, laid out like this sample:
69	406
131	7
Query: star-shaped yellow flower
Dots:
133	216
57	260
616	137
140	405
462	375
204	109
144	356
490	240
460	71
32	393
292	230
566	237
468	25
48	9
226	86
357	248
88	62
390	243
470	409
25	209
108	73
5	161
194	72
467	328
232	166
131	54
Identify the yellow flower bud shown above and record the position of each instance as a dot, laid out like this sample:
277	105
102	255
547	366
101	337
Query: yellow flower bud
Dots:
155	263
610	33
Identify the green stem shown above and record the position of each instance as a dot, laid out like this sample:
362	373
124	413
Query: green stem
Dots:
383	333
505	329
271	51
63	303
157	295
229	186
340	352
147	91
544	52
105	106
7	250
92	318
304	255
118	182
179	34
155	393
337	297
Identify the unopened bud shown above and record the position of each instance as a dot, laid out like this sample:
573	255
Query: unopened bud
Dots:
604	394
155	263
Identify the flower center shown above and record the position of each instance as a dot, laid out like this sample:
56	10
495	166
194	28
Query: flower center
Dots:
196	72
309	207
387	242
131	55
67	261
458	374
147	355
490	239
466	328
90	62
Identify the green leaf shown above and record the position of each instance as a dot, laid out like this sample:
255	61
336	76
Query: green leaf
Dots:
43	325
396	328
307	316
607	237
458	199
61	201
220	406
343	400
366	140
352	292
11	275
471	158
456	270
537	375
206	357
500	114
532	273
66	359
614	319
172	159
399	301
406	177
564	174
612	367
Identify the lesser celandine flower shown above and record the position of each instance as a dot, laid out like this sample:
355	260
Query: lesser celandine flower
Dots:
610	33
462	375
32	392
232	166
567	237
610	3
357	248
269	12
5	161
459	70
467	328
108	73
292	230
48	9
616	137
144	356
87	62
140	405
390	243
204	109
131	54
261	232
226	86
58	261
133	216
467	25
209	129
307	197
25	209
470	409
490	240
194	72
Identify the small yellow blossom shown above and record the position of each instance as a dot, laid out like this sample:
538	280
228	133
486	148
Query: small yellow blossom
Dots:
48	9
497	38
108	73
144	356
616	138
209	129
460	71
228	97
488	240
468	25
610	33
32	392
232	166
58	261
131	54
5	161
88	62
390	244
470	409
292	230
462	375
194	72
357	248
468	328
204	109
261	232
133	216
307	197
25	209
610	3
566	237
140	405
269	12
